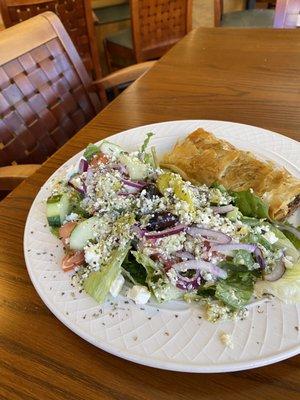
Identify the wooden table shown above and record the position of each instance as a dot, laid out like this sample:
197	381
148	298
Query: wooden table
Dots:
249	76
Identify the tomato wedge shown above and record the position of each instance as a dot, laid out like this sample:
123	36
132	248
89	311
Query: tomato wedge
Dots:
100	158
66	230
72	260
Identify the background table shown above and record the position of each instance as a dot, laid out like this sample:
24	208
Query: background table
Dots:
245	76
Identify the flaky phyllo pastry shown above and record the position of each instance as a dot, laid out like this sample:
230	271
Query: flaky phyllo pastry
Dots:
203	158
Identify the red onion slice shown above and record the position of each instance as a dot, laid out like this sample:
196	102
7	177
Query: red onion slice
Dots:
288	228
80	187
140	232
277	272
185	255
209	234
83	165
227	248
166	232
186	279
124	194
137	185
223	209
202	266
252	248
116	166
185	283
259	257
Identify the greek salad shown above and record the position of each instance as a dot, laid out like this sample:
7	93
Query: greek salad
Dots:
127	223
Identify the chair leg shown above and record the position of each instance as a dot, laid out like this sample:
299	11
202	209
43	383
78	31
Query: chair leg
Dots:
107	57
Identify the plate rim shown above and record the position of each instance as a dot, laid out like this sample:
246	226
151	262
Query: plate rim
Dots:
178	366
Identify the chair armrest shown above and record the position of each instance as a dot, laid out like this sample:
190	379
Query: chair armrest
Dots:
12	175
124	75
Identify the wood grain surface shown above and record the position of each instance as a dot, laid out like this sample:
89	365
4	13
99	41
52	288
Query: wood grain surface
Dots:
248	76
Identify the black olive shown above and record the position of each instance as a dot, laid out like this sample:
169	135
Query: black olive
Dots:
135	243
161	221
151	191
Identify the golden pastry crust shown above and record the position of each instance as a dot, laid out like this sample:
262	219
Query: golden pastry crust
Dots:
203	158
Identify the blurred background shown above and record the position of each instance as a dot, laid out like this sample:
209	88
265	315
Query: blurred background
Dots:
114	15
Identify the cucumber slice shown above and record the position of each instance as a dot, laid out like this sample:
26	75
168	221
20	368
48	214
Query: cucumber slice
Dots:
136	169
110	149
83	232
58	207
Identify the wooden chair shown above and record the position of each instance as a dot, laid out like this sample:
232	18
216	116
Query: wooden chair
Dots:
156	25
77	17
287	14
251	17
46	94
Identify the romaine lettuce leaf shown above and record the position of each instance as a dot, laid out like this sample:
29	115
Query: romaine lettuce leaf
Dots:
217	185
206	291
250	205
289	234
98	283
237	290
251	221
284	243
156	280
149	157
135	271
287	288
234	294
257	238
90	151
146	261
243	257
293	239
146	142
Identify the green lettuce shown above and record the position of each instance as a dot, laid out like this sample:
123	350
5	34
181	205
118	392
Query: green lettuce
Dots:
250	205
243	257
149	157
257	238
156	280
292	238
98	283
90	151
206	291
146	142
134	271
251	221
287	288
237	289
217	185
284	243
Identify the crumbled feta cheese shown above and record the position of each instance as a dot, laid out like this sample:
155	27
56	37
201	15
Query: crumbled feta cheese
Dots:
271	237
72	217
117	285
226	339
208	277
91	256
173	276
216	312
172	243
139	294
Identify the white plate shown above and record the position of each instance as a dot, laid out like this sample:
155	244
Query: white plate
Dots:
171	336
